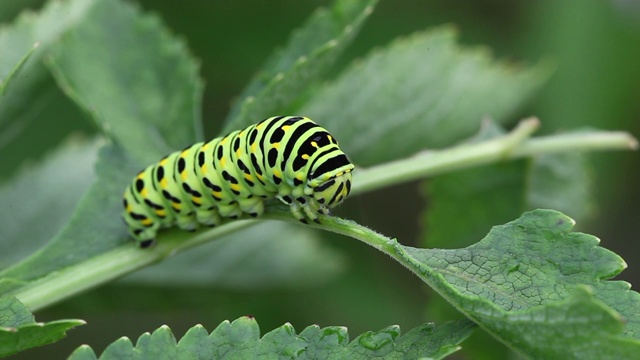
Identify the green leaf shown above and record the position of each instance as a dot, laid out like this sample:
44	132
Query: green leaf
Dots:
17	42
562	182
556	181
146	118
149	98
240	339
253	258
57	181
30	101
93	228
530	273
534	272
498	187
4	82
19	331
421	92
288	73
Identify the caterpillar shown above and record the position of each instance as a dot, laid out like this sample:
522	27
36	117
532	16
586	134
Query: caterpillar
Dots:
289	158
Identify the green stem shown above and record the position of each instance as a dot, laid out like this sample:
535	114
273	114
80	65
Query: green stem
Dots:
118	262
111	265
511	146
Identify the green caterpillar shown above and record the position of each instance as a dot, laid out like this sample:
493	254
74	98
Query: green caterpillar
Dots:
290	158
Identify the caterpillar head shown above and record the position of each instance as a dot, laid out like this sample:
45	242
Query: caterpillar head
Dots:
331	180
333	191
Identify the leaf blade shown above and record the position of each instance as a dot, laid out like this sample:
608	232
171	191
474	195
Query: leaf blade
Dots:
19	331
241	339
424	91
142	104
530	266
288	73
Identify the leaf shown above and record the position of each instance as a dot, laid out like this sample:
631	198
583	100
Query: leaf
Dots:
165	97
30	101
498	187
57	181
311	50
562	182
4	82
240	339
19	331
149	96
557	181
421	92
93	228
18	39
253	258
17	42
535	273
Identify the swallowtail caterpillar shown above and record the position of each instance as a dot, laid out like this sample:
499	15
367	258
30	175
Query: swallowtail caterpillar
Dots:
290	158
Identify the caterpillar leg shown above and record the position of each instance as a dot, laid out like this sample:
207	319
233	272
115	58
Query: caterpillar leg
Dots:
145	237
296	211
304	208
209	217
312	208
254	206
187	222
146	243
231	210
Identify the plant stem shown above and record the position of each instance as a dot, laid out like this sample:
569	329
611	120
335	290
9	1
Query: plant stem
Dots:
510	146
112	265
516	144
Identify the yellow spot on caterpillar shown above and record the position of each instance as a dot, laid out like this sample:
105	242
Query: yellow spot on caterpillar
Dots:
223	161
183	175
340	174
161	212
329	137
196	200
176	206
248	177
204	147
277	173
286	127
254	146
276	145
129	208
235	187
314	144
146	222
163	162
183	153
203	168
217	193
164	183
224	140
300	176
144	193
305	156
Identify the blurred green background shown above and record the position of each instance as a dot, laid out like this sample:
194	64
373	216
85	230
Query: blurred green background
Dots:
595	44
